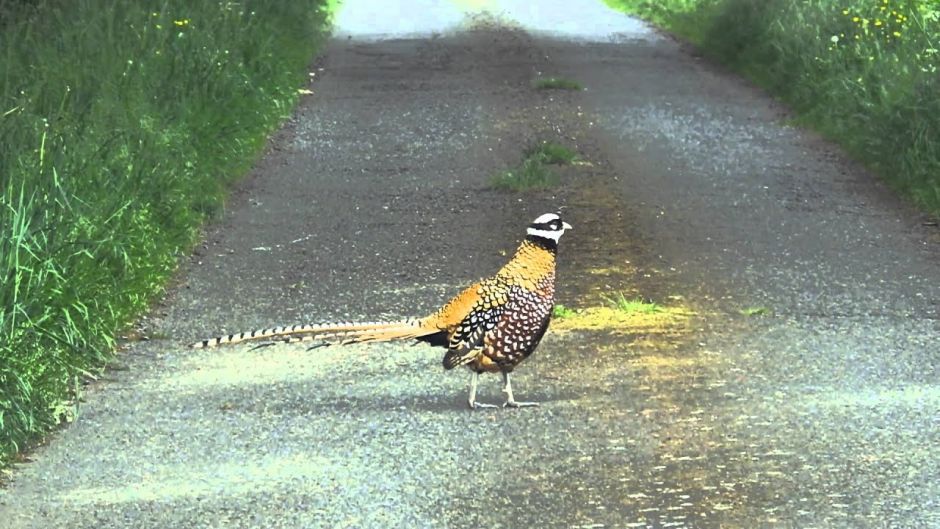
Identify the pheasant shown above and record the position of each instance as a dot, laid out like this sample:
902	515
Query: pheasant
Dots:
491	326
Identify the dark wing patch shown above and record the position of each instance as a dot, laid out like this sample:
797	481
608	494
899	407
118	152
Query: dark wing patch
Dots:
468	337
438	339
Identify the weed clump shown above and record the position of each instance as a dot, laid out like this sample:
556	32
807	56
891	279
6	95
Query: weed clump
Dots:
753	312
633	305
534	171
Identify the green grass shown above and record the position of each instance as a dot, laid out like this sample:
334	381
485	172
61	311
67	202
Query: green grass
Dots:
531	174
560	311
865	73
121	124
755	311
553	153
534	172
557	83
632	306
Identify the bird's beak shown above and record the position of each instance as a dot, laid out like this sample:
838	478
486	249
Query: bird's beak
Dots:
566	226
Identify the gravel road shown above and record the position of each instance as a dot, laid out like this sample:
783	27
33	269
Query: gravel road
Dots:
802	393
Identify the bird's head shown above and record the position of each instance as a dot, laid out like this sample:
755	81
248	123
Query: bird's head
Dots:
548	226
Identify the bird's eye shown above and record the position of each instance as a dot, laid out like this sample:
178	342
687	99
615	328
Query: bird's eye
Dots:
556	224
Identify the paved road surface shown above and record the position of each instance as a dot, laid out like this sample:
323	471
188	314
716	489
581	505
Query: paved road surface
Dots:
373	202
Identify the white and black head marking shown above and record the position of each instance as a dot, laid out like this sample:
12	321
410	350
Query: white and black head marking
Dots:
548	226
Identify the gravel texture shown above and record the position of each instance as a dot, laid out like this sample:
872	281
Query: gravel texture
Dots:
373	203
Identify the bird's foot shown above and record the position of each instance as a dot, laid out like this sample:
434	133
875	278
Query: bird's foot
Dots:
474	405
517	404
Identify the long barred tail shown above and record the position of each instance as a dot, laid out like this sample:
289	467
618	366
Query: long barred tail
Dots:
343	333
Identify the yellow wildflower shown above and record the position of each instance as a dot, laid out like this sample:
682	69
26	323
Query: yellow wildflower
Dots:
182	23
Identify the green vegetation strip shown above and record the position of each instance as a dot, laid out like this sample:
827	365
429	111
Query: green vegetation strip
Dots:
121	124
863	72
534	171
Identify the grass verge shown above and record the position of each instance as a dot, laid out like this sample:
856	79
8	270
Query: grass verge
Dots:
121	124
534	171
866	73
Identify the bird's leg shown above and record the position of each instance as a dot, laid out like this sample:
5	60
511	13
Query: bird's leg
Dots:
510	400
472	399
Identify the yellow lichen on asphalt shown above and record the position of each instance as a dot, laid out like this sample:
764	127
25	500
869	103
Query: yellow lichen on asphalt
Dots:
611	271
664	361
666	320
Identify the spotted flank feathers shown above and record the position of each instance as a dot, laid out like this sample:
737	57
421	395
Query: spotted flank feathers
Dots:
491	326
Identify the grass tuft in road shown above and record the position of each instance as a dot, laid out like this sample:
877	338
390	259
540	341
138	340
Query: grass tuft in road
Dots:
121	125
753	312
531	174
643	320
632	306
557	83
560	311
865	73
534	172
553	153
